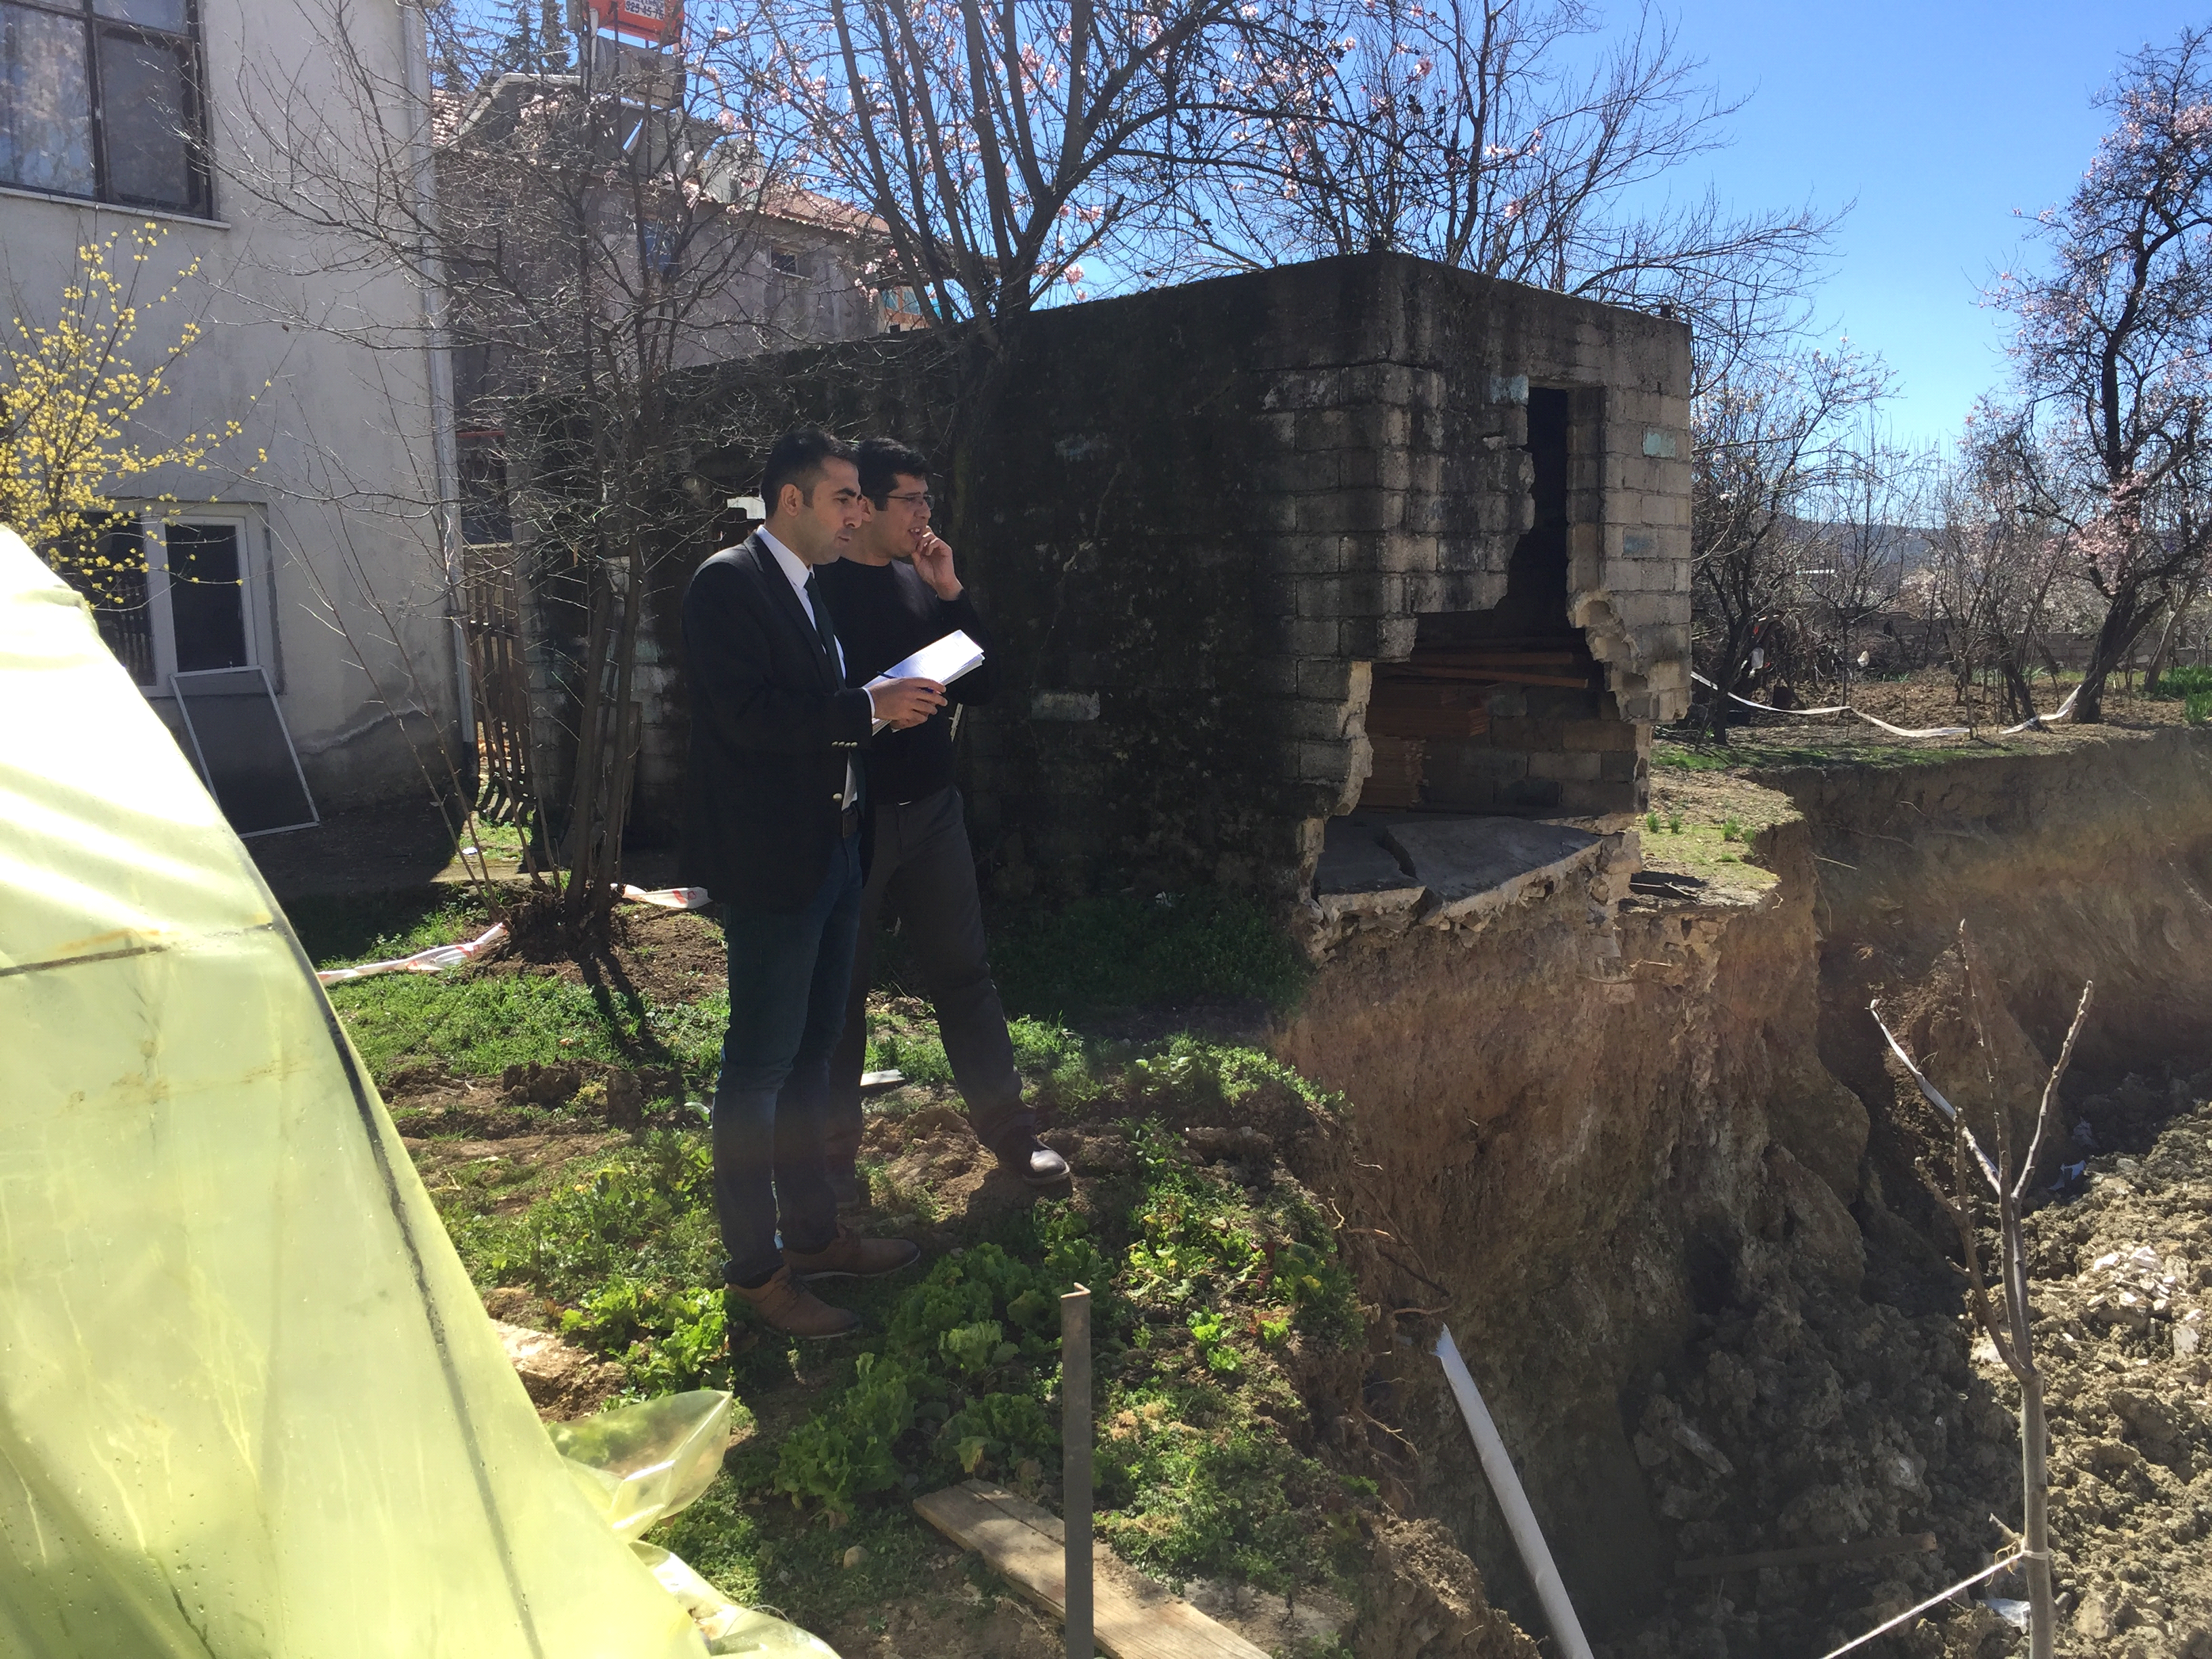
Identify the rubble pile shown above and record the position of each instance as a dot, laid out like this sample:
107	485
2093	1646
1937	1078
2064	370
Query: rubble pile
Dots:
1802	1415
2123	1279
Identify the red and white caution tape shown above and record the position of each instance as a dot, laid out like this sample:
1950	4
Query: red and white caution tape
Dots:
422	962
670	898
2033	722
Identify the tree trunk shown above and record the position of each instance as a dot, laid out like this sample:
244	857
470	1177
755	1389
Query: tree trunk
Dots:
2123	621
2168	634
2035	1533
1727	668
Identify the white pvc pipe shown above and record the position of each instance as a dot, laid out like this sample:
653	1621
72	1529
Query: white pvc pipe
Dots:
1520	1519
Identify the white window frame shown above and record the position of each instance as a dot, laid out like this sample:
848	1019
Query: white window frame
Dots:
252	563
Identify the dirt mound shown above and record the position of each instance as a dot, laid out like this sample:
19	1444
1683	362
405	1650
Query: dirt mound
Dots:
1801	1416
1424	1601
2123	1298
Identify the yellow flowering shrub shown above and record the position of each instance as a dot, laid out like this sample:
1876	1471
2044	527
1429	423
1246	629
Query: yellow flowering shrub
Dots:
70	395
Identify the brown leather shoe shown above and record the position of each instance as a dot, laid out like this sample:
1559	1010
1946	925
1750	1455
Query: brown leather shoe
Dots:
1023	1154
783	1306
849	1256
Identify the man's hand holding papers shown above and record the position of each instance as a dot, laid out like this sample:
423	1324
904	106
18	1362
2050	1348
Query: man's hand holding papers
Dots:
909	692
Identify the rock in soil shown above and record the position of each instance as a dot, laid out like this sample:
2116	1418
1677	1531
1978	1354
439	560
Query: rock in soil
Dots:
563	1382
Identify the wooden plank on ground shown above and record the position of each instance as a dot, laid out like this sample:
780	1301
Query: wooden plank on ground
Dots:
1134	1618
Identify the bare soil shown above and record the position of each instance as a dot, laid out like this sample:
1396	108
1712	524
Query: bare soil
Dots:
671	956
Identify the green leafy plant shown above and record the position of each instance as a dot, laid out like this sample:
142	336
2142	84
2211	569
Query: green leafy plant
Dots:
847	1449
1651	822
2197	707
1211	1331
999	1430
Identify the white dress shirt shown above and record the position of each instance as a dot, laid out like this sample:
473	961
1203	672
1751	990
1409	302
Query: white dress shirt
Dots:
796	571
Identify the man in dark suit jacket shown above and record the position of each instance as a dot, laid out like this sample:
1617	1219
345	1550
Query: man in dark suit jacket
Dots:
772	830
894	592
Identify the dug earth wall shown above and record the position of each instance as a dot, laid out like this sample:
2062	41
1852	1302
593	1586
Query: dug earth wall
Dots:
1587	1126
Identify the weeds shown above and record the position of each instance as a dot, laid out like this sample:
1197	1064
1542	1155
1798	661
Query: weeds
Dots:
1206	1283
1126	951
2197	707
2187	681
1679	757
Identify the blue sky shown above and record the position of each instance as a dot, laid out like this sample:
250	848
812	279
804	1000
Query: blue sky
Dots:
1940	118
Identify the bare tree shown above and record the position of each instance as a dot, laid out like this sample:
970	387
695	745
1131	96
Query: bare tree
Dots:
2115	354
1002	144
1996	572
1865	533
2008	1321
1768	440
1464	131
586	233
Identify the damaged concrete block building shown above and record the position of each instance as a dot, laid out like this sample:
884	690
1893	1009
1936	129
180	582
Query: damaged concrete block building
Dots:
1274	563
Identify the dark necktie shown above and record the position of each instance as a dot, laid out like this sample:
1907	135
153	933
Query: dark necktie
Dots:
819	603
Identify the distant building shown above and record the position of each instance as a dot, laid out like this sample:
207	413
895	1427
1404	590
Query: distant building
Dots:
777	267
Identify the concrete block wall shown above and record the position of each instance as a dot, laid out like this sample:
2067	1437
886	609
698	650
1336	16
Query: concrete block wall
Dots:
1196	519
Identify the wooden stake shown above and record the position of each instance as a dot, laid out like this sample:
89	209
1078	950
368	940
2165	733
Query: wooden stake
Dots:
1075	1464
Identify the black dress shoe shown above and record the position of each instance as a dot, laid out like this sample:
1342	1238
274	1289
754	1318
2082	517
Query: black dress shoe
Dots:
1029	1157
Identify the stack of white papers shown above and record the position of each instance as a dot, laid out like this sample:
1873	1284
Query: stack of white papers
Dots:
943	660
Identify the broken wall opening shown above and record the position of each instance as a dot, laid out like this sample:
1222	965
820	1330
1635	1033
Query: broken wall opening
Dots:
1506	711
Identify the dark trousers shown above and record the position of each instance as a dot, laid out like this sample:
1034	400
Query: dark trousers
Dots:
923	872
788	976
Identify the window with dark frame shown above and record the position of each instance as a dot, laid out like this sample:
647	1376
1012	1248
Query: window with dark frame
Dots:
102	99
171	598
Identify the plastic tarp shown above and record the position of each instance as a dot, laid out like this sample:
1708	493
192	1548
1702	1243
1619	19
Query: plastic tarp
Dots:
250	1404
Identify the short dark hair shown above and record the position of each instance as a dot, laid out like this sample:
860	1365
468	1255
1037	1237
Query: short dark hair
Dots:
883	461
797	458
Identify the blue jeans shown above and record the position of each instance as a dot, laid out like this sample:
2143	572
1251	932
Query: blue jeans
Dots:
789	972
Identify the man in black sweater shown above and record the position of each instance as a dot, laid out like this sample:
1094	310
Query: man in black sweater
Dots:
773	830
894	591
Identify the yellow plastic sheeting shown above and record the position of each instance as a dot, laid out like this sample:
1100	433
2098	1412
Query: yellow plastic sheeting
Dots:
249	1403
644	1462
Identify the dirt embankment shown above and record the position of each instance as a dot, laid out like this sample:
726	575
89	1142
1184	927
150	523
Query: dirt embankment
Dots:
1568	1125
1704	1284
2092	864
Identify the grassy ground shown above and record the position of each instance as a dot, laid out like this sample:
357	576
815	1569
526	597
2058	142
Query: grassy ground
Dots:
1216	1283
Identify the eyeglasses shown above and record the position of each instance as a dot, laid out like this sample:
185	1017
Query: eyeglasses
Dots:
918	498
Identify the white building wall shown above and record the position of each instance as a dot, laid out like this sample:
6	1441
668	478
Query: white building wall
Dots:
322	355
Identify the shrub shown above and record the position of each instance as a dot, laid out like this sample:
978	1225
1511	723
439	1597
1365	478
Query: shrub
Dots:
2190	679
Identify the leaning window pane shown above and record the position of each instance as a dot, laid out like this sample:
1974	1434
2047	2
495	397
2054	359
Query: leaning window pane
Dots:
146	105
45	102
207	603
153	13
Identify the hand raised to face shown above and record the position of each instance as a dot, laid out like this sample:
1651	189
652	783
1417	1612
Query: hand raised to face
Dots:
932	562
